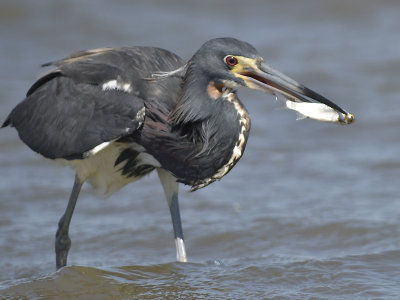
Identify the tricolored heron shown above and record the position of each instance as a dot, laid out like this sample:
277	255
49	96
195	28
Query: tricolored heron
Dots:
117	114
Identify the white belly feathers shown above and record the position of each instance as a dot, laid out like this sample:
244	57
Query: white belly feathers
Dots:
100	171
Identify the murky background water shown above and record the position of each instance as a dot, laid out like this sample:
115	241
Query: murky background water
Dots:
311	210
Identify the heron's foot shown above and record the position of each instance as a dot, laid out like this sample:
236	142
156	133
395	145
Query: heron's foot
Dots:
62	246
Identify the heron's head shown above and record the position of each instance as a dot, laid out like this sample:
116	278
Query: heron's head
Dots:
229	63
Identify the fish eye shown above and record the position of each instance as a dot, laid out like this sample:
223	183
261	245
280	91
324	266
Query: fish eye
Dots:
231	60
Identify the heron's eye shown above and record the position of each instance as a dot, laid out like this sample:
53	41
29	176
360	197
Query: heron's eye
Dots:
231	60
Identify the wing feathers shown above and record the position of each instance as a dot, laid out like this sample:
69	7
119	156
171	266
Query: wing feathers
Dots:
65	119
93	97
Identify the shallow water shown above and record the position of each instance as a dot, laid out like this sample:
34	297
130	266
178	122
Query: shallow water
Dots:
311	210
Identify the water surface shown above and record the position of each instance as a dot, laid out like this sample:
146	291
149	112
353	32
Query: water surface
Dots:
311	210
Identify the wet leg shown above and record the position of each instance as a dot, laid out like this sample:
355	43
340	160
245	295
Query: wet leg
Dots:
170	186
63	242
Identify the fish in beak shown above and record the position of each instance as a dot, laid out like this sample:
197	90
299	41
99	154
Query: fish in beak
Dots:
259	76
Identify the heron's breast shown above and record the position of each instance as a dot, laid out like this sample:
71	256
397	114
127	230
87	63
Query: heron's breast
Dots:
235	153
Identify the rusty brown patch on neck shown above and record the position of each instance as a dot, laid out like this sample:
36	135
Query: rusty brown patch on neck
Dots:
214	90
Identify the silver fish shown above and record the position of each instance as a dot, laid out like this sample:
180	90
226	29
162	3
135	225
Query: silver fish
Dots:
316	111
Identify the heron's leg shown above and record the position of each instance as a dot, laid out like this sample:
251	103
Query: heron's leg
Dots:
63	242
170	186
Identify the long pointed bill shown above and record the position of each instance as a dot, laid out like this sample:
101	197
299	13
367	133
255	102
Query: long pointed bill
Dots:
305	101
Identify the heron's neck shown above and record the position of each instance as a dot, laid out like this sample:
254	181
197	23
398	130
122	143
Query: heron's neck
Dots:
195	103
205	134
214	126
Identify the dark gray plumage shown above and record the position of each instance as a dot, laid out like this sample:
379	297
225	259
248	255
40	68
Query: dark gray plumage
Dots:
116	114
71	125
